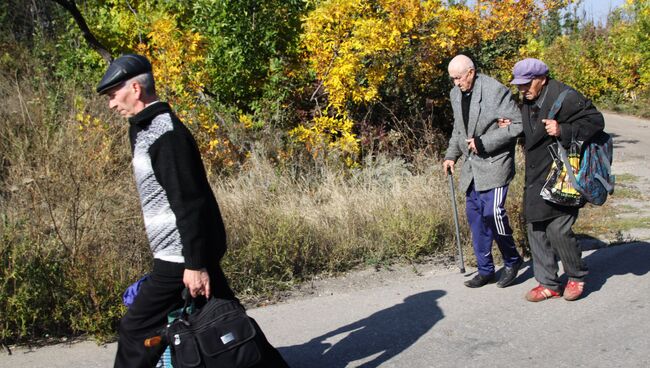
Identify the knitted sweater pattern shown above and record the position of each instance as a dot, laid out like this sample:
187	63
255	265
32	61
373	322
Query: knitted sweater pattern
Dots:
159	219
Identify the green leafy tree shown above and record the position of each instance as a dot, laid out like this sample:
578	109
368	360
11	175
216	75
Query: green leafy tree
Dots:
249	43
606	63
551	27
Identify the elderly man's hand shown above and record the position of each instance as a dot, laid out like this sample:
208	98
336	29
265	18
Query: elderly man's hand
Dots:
197	281
471	145
502	123
552	127
448	165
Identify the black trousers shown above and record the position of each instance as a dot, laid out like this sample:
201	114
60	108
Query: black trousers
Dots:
158	296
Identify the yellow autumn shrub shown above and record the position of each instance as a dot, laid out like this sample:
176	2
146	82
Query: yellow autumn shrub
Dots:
178	54
329	134
356	47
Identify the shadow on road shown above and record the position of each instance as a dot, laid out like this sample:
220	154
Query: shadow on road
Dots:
373	340
619	142
620	259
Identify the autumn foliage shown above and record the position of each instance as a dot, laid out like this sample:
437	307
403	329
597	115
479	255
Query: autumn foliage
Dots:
609	65
333	75
365	51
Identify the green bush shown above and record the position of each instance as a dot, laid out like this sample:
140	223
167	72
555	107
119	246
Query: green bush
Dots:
609	64
32	293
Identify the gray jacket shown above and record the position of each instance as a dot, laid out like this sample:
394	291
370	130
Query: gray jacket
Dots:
494	166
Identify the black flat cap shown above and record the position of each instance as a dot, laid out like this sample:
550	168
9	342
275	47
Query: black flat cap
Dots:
121	69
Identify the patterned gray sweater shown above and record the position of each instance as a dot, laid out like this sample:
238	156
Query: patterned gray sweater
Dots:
181	215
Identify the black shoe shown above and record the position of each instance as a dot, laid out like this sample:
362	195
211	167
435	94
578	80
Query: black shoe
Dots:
509	274
479	280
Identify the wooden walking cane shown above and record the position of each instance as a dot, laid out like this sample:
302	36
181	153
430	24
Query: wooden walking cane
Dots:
453	204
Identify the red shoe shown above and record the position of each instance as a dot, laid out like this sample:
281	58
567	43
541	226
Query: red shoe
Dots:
539	293
573	290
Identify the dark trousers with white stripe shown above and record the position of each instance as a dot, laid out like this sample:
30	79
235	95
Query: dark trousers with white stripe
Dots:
552	239
489	222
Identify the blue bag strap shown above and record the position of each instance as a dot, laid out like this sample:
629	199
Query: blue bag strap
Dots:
557	104
605	160
609	188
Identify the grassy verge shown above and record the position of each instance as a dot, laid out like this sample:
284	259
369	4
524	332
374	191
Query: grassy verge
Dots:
284	229
639	107
618	214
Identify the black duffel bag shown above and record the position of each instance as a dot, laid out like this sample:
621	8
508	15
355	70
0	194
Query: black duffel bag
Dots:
220	334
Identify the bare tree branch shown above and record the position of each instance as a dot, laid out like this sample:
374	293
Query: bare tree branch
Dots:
71	7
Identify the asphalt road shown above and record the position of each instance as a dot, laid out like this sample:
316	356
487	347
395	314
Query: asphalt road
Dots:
429	319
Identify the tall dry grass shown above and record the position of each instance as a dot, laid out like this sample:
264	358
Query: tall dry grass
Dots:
73	239
284	228
69	245
289	227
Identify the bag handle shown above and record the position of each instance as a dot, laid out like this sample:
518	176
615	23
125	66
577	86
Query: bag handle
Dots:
188	302
569	170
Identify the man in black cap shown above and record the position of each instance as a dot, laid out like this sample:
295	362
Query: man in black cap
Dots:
181	216
548	224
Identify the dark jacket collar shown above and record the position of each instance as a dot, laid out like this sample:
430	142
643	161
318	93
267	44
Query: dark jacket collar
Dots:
148	113
533	128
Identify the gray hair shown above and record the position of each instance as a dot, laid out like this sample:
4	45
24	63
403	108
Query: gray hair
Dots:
146	81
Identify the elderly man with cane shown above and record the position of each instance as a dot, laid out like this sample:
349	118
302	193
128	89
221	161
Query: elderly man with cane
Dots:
478	101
